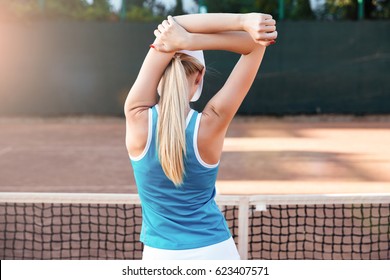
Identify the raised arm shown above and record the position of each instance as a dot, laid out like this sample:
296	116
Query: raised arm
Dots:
142	94
247	34
199	31
261	27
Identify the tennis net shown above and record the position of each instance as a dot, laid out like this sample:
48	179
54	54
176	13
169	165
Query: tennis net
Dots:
107	226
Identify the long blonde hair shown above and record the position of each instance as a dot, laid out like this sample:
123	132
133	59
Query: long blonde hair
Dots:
174	97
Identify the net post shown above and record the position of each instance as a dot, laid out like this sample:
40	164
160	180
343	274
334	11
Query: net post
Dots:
243	227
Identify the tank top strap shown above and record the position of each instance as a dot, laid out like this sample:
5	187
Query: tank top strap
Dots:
191	119
153	130
154	115
191	127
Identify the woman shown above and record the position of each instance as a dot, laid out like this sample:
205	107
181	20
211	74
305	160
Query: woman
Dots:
174	150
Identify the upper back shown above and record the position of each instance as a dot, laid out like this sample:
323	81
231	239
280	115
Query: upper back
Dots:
197	171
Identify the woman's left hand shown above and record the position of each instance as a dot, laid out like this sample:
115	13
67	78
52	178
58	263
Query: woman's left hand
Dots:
171	36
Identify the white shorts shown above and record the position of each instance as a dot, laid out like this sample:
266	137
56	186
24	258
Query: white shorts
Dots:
225	250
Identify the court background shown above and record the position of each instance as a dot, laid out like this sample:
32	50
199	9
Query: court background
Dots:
63	84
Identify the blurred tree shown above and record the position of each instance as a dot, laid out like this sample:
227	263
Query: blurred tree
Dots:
48	8
340	9
267	7
348	9
137	13
230	6
145	10
65	8
150	10
178	8
17	9
298	9
158	8
294	9
377	9
369	9
99	9
134	3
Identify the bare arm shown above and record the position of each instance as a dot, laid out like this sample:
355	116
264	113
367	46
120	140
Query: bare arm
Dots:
261	28
245	34
210	23
197	31
142	95
254	23
257	31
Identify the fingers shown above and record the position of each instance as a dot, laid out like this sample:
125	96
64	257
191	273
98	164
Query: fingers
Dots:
261	36
157	33
270	31
267	16
171	20
167	33
164	26
271	35
269	25
269	22
271	28
161	28
264	31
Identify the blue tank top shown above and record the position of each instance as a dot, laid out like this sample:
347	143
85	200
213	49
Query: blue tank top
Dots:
174	218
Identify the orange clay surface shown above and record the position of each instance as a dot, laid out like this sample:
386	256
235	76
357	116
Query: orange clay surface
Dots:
325	154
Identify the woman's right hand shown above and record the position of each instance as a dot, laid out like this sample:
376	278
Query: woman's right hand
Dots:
171	36
261	27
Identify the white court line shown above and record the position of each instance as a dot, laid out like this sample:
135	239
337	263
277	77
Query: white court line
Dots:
5	150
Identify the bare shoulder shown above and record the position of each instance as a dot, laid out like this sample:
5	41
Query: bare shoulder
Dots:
137	130
210	138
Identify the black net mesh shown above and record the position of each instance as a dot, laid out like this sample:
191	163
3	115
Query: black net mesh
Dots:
231	216
100	231
76	231
330	232
70	231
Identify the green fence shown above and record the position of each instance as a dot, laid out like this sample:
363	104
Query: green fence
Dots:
61	68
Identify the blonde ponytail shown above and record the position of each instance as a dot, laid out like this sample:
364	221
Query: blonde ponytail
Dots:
174	103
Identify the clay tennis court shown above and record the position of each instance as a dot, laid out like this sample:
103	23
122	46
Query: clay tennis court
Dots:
290	155
261	155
